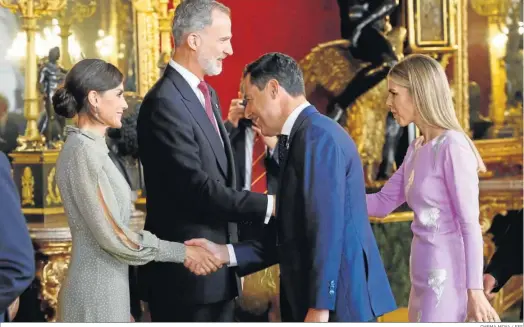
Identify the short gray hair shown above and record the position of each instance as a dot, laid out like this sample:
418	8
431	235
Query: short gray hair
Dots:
194	15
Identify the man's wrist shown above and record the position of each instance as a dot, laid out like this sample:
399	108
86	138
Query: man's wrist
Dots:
227	255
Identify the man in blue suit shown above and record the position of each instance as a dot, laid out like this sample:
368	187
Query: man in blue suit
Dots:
331	269
17	265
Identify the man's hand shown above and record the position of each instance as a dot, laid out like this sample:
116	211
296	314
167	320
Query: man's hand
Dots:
489	284
270	141
219	251
236	111
201	261
317	315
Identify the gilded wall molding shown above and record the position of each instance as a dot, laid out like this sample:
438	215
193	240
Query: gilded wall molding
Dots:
147	34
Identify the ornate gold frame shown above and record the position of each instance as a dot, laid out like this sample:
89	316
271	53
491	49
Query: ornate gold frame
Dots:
447	43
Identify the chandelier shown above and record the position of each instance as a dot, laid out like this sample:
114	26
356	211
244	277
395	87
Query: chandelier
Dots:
45	40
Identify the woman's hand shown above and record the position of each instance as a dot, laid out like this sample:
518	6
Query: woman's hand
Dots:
12	310
200	261
479	308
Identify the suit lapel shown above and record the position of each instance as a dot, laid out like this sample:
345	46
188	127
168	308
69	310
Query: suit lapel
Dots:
199	113
229	163
296	126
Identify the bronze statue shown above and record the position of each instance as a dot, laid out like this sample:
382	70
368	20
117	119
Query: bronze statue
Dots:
51	76
362	23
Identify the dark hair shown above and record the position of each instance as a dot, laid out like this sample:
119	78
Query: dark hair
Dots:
276	66
125	137
86	76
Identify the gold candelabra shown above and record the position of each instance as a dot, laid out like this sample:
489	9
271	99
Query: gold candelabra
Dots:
72	13
30	11
165	17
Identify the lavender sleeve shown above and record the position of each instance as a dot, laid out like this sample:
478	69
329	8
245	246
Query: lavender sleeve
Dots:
462	183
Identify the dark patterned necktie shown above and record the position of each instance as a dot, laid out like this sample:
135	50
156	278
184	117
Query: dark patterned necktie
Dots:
282	148
207	104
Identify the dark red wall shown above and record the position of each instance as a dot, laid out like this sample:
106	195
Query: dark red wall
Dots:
293	27
478	61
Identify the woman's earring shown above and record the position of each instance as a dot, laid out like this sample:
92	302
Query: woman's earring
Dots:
96	112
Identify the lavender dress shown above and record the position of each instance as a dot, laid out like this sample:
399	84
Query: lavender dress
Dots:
439	182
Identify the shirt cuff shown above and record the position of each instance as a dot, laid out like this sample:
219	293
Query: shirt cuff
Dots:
269	210
232	256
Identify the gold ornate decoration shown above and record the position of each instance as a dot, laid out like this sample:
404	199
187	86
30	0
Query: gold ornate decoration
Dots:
260	291
431	25
28	187
74	12
460	68
497	197
165	18
507	150
330	66
30	10
148	40
53	273
53	193
46	204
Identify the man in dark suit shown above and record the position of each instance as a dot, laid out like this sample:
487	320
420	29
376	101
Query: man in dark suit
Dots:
507	260
256	163
189	169
330	266
256	159
17	261
9	130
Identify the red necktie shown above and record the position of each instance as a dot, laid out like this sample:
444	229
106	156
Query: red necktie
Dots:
207	101
258	172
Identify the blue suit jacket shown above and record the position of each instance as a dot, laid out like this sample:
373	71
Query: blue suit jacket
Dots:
17	261
321	235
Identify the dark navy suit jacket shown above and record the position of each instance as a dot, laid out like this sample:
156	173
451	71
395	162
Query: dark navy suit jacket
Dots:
190	179
322	236
17	260
249	230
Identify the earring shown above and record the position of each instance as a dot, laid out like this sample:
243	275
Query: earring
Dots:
96	111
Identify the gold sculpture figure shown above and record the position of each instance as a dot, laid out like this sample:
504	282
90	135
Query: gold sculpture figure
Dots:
329	67
28	187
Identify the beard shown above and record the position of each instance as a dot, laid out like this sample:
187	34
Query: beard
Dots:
209	65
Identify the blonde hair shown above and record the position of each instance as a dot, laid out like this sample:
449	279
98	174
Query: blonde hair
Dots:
428	84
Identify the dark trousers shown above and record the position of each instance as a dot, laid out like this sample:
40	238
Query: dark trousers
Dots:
163	310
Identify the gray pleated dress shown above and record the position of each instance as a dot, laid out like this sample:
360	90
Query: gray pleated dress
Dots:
97	202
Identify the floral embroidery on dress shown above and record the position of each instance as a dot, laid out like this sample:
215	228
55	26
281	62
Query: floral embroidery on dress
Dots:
412	160
440	139
429	217
436	280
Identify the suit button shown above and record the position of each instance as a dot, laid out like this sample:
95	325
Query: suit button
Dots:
331	292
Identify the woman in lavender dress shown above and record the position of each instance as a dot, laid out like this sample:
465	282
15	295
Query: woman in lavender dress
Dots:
438	179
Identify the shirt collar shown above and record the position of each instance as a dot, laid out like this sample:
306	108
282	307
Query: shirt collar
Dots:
190	78
290	121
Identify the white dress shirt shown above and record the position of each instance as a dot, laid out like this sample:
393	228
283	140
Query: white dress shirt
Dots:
286	130
249	140
193	82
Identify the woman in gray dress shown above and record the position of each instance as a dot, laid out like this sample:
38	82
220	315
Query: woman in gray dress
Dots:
97	203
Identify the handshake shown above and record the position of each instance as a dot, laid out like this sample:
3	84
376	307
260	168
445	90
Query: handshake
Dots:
204	257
